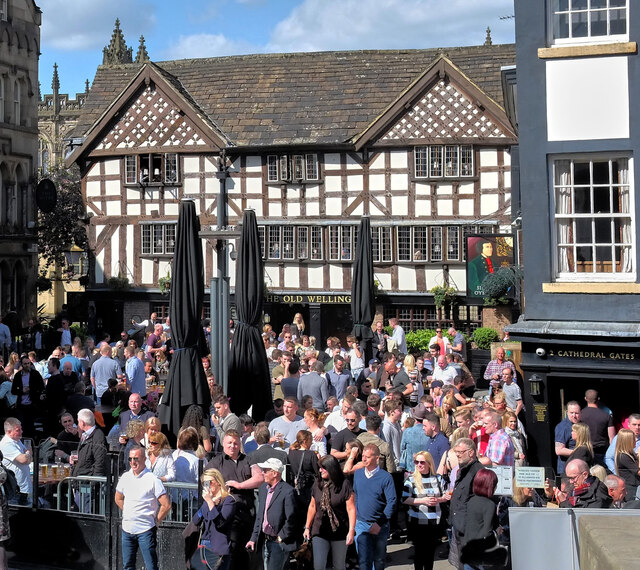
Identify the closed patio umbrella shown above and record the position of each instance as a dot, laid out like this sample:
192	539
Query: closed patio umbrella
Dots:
362	295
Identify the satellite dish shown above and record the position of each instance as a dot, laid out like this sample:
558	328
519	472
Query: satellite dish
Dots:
46	195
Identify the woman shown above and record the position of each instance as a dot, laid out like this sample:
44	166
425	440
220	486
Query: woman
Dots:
331	517
480	543
184	458
446	412
216	516
312	419
354	459
134	437
448	468
159	460
583	450
423	493
304	465
194	417
626	461
297	327
510	425
151	426
302	345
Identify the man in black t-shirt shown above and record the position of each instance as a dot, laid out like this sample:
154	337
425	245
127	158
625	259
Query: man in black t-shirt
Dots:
352	431
600	425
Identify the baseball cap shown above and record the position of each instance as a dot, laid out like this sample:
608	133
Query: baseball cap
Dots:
436	384
272	463
419	412
374	362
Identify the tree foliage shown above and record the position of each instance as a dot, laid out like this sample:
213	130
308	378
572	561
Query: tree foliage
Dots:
61	229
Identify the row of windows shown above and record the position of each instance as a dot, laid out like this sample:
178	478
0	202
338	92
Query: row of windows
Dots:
402	244
467	317
152	168
443	161
580	20
294	168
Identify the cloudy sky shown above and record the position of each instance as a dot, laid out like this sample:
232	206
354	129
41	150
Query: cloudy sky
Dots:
75	31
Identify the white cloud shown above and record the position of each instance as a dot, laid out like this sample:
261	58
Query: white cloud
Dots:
391	24
207	45
76	25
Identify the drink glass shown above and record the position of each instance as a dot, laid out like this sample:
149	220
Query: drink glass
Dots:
55	471
73	457
67	470
44	470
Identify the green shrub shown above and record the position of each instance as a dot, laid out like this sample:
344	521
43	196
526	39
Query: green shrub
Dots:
418	341
484	336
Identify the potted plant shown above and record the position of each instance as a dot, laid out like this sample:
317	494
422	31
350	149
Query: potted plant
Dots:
443	297
164	283
119	283
481	339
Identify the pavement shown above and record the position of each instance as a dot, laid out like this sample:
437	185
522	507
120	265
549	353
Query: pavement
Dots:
399	552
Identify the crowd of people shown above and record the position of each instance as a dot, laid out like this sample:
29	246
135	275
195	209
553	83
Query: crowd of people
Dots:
352	454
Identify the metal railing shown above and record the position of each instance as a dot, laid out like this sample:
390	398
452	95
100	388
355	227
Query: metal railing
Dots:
185	499
86	495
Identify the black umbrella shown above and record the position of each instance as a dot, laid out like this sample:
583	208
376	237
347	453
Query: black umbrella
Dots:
362	297
249	382
187	382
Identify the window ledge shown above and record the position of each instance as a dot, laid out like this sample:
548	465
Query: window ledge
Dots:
598	288
588	50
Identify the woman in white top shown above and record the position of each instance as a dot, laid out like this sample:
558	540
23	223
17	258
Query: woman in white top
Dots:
312	419
185	459
159	460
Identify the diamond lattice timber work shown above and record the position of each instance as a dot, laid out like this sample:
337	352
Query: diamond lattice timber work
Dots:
444	112
151	121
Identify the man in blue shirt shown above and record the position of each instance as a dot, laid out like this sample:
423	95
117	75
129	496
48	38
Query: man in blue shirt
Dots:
375	502
338	379
564	443
438	442
102	370
134	371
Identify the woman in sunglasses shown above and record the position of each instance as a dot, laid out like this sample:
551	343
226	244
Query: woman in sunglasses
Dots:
159	459
423	493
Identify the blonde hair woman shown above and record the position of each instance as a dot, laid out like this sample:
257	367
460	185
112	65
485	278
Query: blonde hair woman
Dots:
583	450
298	326
159	459
626	461
216	515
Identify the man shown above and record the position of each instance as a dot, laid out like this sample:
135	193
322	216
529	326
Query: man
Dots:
314	384
500	449
59	388
224	419
155	342
338	378
379	343
286	338
76	363
134	412
335	421
398	336
413	439
280	371
276	411
600	425
68	439
391	429
28	386
564	442
436	391
445	372
369	373
5	340
16	457
134	372
459	344
511	391
289	384
275	526
241	478
103	369
438	443
478	434
372	436
265	451
431	357
397	378
92	452
140	329
495	367
463	419
634	426
468	466
66	338
375	502
481	266
285	428
585	491
144	503
77	400
352	431
382	376
617	489
442	341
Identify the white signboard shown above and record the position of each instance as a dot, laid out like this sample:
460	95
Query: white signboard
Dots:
530	477
505	479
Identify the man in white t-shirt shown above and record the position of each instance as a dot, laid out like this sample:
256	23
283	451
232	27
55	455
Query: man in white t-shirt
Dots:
16	457
144	503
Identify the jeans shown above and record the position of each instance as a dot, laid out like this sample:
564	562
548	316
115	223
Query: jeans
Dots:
147	542
321	552
372	548
275	556
207	559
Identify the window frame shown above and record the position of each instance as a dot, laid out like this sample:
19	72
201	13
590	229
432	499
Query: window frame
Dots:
147	161
149	250
299	168
311	235
426	168
588	39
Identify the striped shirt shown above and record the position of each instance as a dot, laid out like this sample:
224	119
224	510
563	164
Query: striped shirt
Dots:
431	487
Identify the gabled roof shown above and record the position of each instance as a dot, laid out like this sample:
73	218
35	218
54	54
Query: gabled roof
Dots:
323	98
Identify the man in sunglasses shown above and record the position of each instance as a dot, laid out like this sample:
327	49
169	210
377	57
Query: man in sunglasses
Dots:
144	503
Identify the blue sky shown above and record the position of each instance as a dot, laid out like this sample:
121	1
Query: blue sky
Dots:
75	31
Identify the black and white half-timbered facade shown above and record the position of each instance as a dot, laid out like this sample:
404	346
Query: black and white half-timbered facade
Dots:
417	140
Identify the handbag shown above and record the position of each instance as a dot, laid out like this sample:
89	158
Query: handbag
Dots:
303	557
484	551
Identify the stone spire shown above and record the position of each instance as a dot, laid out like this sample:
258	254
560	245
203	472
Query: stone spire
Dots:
86	86
142	54
117	52
488	41
55	82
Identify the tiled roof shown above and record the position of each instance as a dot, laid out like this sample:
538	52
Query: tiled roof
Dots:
300	98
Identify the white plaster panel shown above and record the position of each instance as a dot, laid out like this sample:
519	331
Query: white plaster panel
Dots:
232	272
407	278
507	179
376	182
355	183
255	205
93	189
113	208
131	250
384	280
331	161
132	193
488	180
254	164
272	276
99	273
312	192
332	183
358	210
148	208
313	208
133	210
444	190
115	252
399	181
423	189
254	185
488	157
400	205
210	164
377	162
459	277
94	170
112	167
315	276
292	277
335	277
275	209
211	186
374	210
466	188
164	266
191	185
352	164
488	204
588	98
293	209
333	206
208	203
465	207
235	165
147	270
171	209
275	192
445	207
191	164
506	158
112	187
398	158
433	278
423	208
